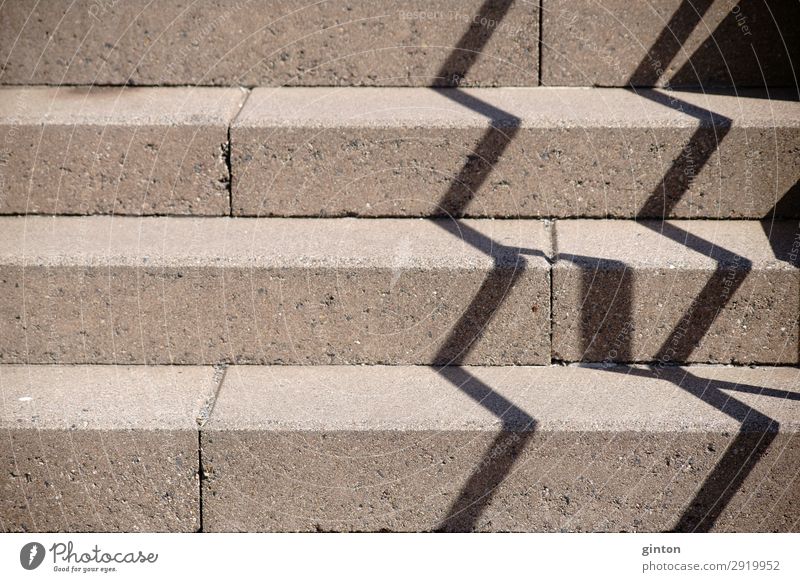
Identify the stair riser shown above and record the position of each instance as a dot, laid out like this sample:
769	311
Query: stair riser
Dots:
613	43
654	315
118	170
243	42
269	315
543	172
371	481
208	316
100	481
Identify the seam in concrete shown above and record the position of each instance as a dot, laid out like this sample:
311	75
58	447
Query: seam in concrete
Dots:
553	259
205	414
200	482
539	55
230	171
205	411
248	92
394	217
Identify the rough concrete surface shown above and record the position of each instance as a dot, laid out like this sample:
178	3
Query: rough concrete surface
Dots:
677	291
613	43
115	150
204	291
101	448
278	42
514	152
402	449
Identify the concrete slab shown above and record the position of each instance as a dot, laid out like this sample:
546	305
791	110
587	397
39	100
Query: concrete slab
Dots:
273	43
532	449
205	291
139	151
102	448
515	152
677	291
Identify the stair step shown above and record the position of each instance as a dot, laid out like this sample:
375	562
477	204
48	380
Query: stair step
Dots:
398	152
515	152
342	448
303	291
615	43
418	43
501	449
272	42
116	150
165	290
102	448
676	291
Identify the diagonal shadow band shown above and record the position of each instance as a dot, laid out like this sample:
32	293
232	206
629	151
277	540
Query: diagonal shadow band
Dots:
698	151
739	459
670	41
517	429
469	47
509	265
732	469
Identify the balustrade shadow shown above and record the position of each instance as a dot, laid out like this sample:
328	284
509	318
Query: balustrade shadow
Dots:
731	470
757	430
756	433
509	264
469	47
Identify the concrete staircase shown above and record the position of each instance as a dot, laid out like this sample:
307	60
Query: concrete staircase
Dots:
358	266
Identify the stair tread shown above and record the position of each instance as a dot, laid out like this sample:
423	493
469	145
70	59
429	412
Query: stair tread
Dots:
575	398
555	107
131	106
558	398
230	242
429	243
87	397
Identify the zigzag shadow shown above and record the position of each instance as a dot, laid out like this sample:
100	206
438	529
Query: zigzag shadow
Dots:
729	473
756	433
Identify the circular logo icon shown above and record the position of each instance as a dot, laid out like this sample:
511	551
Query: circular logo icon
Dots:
31	555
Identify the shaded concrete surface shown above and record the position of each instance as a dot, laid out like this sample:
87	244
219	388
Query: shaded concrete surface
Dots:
700	43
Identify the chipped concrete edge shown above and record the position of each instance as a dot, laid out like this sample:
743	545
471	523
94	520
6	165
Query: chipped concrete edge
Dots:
207	406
